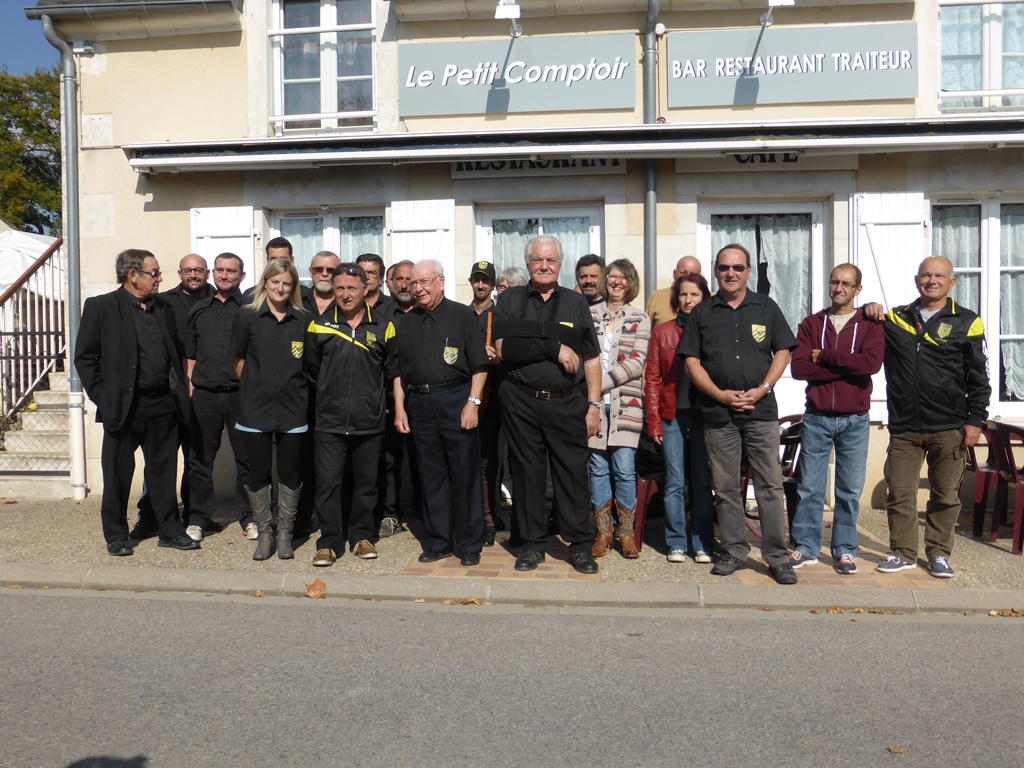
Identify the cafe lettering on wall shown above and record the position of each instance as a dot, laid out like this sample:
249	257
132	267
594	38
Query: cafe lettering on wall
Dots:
781	162
844	62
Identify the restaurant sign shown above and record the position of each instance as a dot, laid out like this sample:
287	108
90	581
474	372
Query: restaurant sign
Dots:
527	74
794	65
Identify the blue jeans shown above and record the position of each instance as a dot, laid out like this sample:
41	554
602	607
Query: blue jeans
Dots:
679	433
849	435
610	465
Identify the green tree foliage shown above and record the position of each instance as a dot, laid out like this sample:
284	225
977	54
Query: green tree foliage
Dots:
30	159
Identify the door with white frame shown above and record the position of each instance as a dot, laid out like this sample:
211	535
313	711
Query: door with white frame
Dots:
504	232
788	261
347	233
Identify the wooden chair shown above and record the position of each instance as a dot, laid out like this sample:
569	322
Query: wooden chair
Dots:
791	429
986	475
1011	472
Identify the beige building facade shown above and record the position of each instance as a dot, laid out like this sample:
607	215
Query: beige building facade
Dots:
815	134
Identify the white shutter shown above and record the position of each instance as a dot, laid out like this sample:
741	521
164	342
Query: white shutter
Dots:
425	229
229	229
890	238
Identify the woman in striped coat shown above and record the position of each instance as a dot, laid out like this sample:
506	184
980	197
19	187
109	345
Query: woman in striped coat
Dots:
622	335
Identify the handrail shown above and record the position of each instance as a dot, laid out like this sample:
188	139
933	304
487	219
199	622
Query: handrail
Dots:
31	271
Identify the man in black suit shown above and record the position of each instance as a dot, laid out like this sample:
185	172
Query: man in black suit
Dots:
129	358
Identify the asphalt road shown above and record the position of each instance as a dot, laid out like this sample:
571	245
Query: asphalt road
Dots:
106	680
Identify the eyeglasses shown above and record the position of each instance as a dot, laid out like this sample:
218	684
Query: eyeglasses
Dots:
155	274
723	268
194	271
843	283
322	270
422	283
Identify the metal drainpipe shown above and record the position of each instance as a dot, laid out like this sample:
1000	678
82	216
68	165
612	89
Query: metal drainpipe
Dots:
650	86
76	400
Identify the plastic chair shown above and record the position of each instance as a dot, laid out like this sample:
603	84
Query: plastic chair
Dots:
1011	472
986	475
791	431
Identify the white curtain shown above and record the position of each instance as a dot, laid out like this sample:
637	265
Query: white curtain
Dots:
1013	52
512	235
1011	299
960	40
510	239
780	242
360	234
307	238
956	232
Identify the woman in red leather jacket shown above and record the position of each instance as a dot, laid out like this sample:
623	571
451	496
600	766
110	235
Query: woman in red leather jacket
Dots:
672	422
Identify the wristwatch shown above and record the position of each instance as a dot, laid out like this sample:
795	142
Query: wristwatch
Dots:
475	400
594	403
767	386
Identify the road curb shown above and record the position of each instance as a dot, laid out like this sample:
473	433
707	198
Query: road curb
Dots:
510	592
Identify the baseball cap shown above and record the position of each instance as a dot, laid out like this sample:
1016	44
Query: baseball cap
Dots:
483	268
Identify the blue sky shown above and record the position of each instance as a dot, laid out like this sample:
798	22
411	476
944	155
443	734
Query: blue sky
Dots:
22	45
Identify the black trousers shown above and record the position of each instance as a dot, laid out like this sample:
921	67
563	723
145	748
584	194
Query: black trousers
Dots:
259	448
543	434
339	457
398	475
211	413
146	516
449	463
152	423
490	457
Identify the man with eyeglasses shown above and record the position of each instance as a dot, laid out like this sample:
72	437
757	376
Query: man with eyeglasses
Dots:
373	266
321	298
130	360
549	401
439	374
736	347
215	404
937	393
837	353
190	290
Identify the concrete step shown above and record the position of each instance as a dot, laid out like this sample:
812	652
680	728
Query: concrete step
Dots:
58	381
54	398
50	485
43	461
45	420
46	440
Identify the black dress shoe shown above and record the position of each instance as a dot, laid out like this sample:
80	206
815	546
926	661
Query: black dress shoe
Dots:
213	527
489	535
143	530
470	559
120	548
432	555
182	542
583	562
529	560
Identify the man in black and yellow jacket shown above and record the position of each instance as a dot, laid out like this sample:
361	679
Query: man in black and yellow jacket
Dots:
346	355
937	392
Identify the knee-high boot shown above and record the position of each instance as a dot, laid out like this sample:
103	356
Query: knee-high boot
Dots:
259	501
287	508
603	542
627	521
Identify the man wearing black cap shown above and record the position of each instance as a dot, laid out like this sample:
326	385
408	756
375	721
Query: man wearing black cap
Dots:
482	280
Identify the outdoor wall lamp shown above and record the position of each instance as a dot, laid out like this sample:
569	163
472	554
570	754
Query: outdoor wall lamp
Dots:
766	18
508	9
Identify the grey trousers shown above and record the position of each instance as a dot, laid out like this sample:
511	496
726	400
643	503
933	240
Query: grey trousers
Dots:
759	441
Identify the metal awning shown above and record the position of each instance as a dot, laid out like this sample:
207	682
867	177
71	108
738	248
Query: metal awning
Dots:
632	142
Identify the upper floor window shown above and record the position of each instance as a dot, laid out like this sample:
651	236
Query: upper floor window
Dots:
982	49
324	62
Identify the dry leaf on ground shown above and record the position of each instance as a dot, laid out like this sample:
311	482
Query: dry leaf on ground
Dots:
260	593
15	586
420	600
1011	612
896	750
880	612
815	610
316	590
835	609
449	601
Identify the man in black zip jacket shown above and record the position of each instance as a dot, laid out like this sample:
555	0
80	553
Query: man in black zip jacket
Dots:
937	393
346	352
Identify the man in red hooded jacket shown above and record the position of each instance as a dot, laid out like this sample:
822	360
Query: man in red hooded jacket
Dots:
837	352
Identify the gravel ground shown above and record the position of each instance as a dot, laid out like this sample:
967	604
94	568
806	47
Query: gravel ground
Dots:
66	531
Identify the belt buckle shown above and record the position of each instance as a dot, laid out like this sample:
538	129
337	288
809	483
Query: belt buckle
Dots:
543	394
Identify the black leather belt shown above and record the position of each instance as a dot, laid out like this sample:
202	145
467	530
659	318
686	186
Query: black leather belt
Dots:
223	390
424	389
544	394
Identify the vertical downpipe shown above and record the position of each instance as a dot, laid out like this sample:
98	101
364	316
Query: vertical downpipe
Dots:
650	89
69	113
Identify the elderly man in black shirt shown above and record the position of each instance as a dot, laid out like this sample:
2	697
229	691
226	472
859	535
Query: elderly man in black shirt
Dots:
550	400
441	370
215	396
736	347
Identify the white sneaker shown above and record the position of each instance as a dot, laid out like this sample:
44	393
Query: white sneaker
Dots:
194	532
677	556
251	532
701	557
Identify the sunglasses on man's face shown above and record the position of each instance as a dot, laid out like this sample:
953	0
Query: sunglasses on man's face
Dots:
723	268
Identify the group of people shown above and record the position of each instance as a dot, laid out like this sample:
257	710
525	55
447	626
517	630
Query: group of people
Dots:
365	394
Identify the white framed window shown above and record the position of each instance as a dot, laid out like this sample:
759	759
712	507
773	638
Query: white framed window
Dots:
981	50
348	234
984	239
324	64
504	233
787	250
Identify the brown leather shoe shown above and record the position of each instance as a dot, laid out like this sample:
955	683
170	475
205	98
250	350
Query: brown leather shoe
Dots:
627	521
324	558
603	518
364	550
